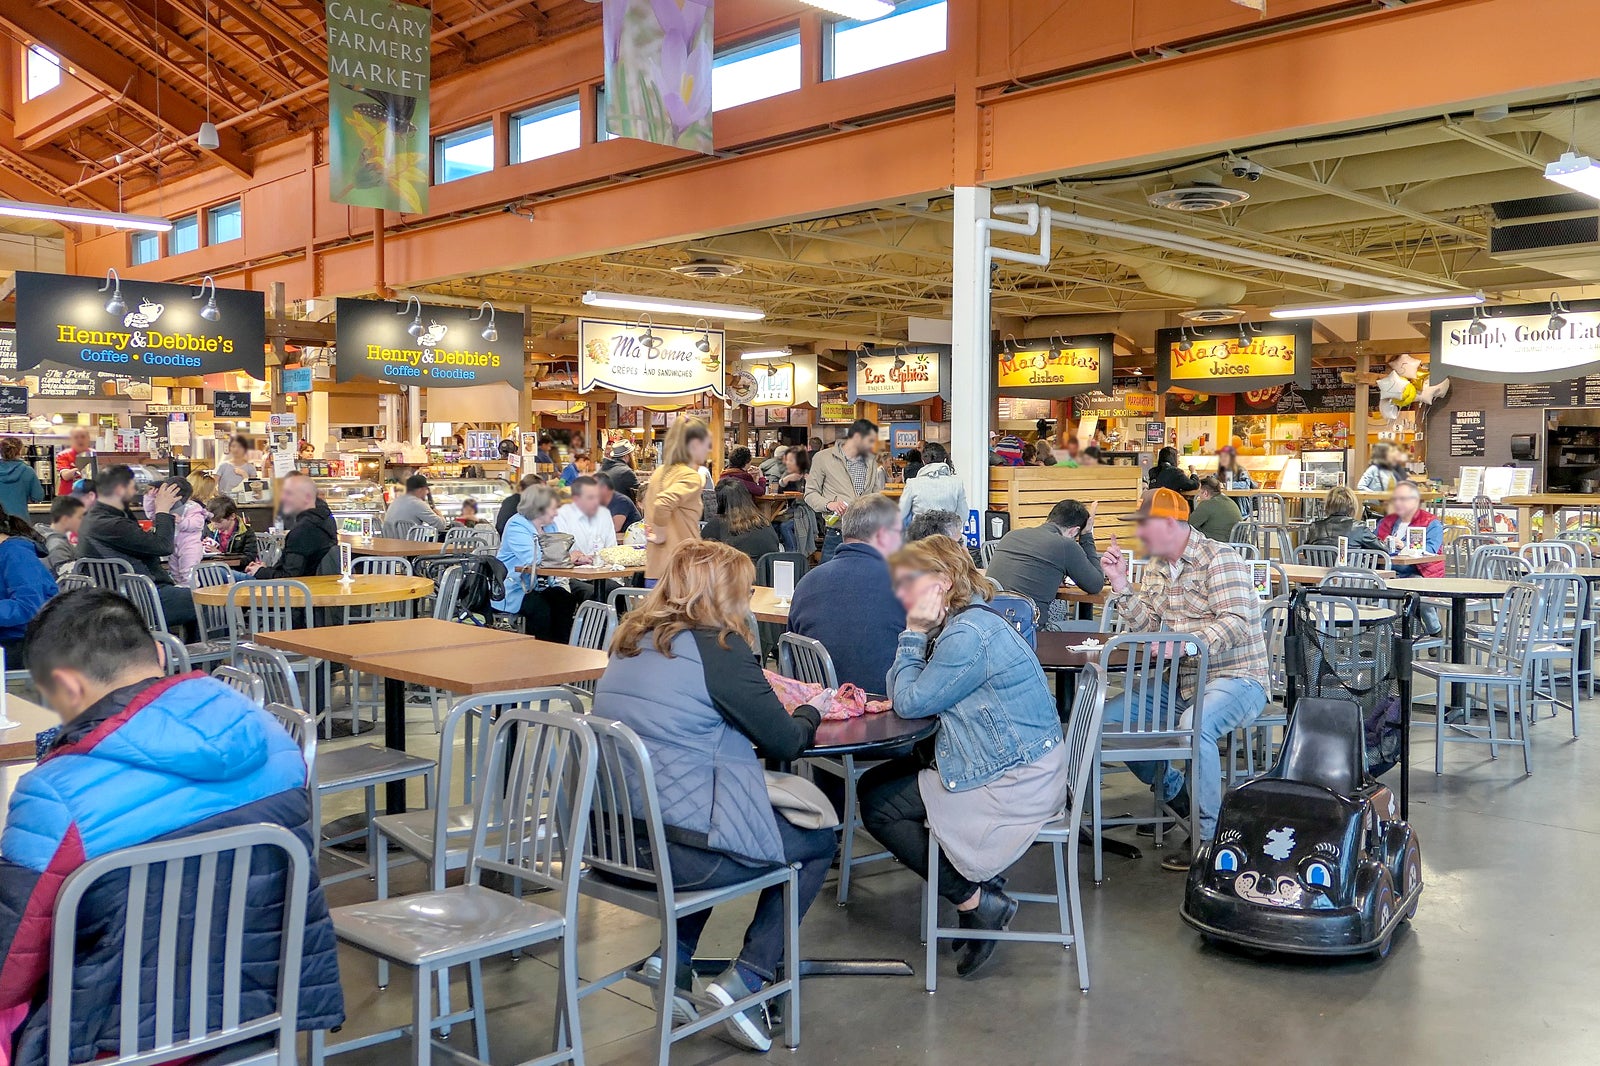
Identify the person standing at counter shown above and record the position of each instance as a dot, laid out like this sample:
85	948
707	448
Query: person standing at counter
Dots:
110	531
73	462
19	485
236	469
1379	475
1230	475
412	510
620	470
312	533
672	502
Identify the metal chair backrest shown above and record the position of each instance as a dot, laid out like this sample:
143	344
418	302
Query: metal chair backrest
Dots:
1269	509
267	607
592	626
103	572
1478	562
764	565
269	546
1367	559
170	1017
1021	612
1280	579
532	820
271	666
1083	740
623	600
1245	551
805	659
1109	620
1563	604
242	681
1514	627
1149	701
627	837
213	620
1352	577
1483	515
460	537
68	582
1270	541
1548	554
1275	626
141	592
986	552
1581	549
485	539
1505	568
447	594
303	731
390	565
1316	555
423	534
176	656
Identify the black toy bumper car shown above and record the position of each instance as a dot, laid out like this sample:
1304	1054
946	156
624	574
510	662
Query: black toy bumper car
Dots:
1311	858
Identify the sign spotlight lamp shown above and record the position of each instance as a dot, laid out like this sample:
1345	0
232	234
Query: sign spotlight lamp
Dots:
114	305
1558	313
415	328
489	333
209	312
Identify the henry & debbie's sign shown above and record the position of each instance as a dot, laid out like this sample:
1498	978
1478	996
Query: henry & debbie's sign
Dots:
1054	370
374	339
1517	343
1224	359
138	328
901	376
649	360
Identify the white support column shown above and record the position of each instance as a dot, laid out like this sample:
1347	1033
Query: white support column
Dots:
971	371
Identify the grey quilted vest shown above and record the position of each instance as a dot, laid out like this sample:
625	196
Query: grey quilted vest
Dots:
710	784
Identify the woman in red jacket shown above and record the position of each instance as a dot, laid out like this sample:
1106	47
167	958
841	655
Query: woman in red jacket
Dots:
737	470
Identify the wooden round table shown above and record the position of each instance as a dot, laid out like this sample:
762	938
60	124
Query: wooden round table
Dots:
363	590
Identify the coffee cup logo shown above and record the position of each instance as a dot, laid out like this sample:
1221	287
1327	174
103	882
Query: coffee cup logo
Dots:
145	316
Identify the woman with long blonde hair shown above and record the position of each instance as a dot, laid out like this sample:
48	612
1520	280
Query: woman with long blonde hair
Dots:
672	503
684	676
1000	769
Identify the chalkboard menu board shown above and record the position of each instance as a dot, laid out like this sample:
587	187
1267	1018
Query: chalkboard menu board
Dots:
1539	394
1327	394
1467	437
231	404
13	399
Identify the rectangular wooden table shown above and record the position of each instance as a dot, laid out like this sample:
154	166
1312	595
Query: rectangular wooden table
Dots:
764	604
19	743
393	546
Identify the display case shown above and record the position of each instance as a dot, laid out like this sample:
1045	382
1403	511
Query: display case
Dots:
352	496
449	492
1321	470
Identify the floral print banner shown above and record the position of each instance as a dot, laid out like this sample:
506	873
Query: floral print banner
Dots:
658	71
379	69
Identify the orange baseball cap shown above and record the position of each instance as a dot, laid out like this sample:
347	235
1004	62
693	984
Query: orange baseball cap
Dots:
1161	503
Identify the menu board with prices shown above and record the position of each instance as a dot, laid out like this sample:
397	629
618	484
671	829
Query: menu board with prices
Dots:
1467	434
1539	394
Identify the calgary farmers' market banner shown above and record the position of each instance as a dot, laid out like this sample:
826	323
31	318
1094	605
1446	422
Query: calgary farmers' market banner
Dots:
1252	357
1517	343
373	339
1054	369
138	328
658	71
650	360
379	69
901	375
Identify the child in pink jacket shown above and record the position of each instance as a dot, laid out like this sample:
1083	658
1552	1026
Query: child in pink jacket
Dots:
188	533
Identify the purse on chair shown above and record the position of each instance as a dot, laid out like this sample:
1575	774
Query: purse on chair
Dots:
801	803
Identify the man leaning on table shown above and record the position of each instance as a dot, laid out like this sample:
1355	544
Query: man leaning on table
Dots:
1200	587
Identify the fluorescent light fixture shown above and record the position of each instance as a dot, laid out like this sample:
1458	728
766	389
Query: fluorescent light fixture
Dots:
92	216
766	353
1576	172
1395	303
662	306
860	10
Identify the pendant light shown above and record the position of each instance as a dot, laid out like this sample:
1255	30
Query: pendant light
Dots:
415	328
703	345
489	333
113	285
209	312
207	137
1558	313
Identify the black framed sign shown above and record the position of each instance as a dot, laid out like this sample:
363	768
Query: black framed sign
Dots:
433	345
139	328
230	404
1516	343
13	399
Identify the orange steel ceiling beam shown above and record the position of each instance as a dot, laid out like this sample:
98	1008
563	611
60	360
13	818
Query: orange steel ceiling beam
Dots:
1428	57
119	78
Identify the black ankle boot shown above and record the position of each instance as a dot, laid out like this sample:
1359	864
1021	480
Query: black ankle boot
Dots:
994	912
964	918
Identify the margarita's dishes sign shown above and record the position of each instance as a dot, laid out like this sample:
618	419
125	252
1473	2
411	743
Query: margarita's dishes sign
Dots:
138	328
1056	369
650	360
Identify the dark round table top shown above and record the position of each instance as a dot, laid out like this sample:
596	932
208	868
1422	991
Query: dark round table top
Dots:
1055	650
871	734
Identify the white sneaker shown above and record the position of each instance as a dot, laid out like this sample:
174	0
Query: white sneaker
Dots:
749	1028
683	1008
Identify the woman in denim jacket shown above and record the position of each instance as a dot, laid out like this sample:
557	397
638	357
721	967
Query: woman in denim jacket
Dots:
999	768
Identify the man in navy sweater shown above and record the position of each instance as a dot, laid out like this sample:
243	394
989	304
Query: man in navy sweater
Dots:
848	602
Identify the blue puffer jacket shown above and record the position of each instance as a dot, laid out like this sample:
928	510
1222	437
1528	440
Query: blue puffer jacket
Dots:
160	759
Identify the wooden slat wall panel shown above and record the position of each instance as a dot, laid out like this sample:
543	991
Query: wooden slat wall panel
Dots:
1029	492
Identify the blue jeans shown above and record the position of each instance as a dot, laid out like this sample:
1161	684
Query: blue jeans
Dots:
694	869
785	535
831	539
1228	704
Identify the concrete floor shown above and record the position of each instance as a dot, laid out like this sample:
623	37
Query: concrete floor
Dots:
1494	969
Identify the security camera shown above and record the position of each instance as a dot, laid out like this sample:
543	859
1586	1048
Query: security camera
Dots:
1240	167
1252	171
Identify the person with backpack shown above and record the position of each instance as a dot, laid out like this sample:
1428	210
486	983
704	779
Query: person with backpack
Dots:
313	538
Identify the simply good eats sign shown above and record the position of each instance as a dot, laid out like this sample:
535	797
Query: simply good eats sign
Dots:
139	328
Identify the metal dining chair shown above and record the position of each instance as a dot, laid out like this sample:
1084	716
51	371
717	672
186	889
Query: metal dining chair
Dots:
623	600
142	593
629	866
1549	554
1258	736
593	626
245	683
1562	632
460	538
397	610
1270	541
986	552
1061	834
530	827
806	659
422	534
175	657
103	572
278	606
178	1013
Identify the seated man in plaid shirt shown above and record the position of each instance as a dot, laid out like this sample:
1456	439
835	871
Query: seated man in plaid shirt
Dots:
1194	585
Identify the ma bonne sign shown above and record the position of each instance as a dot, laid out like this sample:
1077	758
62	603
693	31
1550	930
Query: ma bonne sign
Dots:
650	360
138	328
1517	343
1056	369
374	340
1236	358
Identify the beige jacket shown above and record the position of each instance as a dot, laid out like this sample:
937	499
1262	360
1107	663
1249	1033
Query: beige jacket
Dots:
671	504
829	480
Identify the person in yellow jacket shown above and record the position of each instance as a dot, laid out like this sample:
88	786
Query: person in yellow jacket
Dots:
672	499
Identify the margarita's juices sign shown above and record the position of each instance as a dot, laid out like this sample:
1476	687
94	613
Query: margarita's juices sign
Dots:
426	344
1239	358
649	360
139	328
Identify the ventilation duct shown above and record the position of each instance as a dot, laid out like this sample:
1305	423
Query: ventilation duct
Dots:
1558	234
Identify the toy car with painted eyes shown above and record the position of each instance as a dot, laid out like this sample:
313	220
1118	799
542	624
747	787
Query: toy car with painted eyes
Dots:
1312	857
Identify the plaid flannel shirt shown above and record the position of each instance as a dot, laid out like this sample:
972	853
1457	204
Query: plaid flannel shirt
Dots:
1212	598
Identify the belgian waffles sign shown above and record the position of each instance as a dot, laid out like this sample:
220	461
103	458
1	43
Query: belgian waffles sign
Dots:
1055	369
138	328
426	344
1228	359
